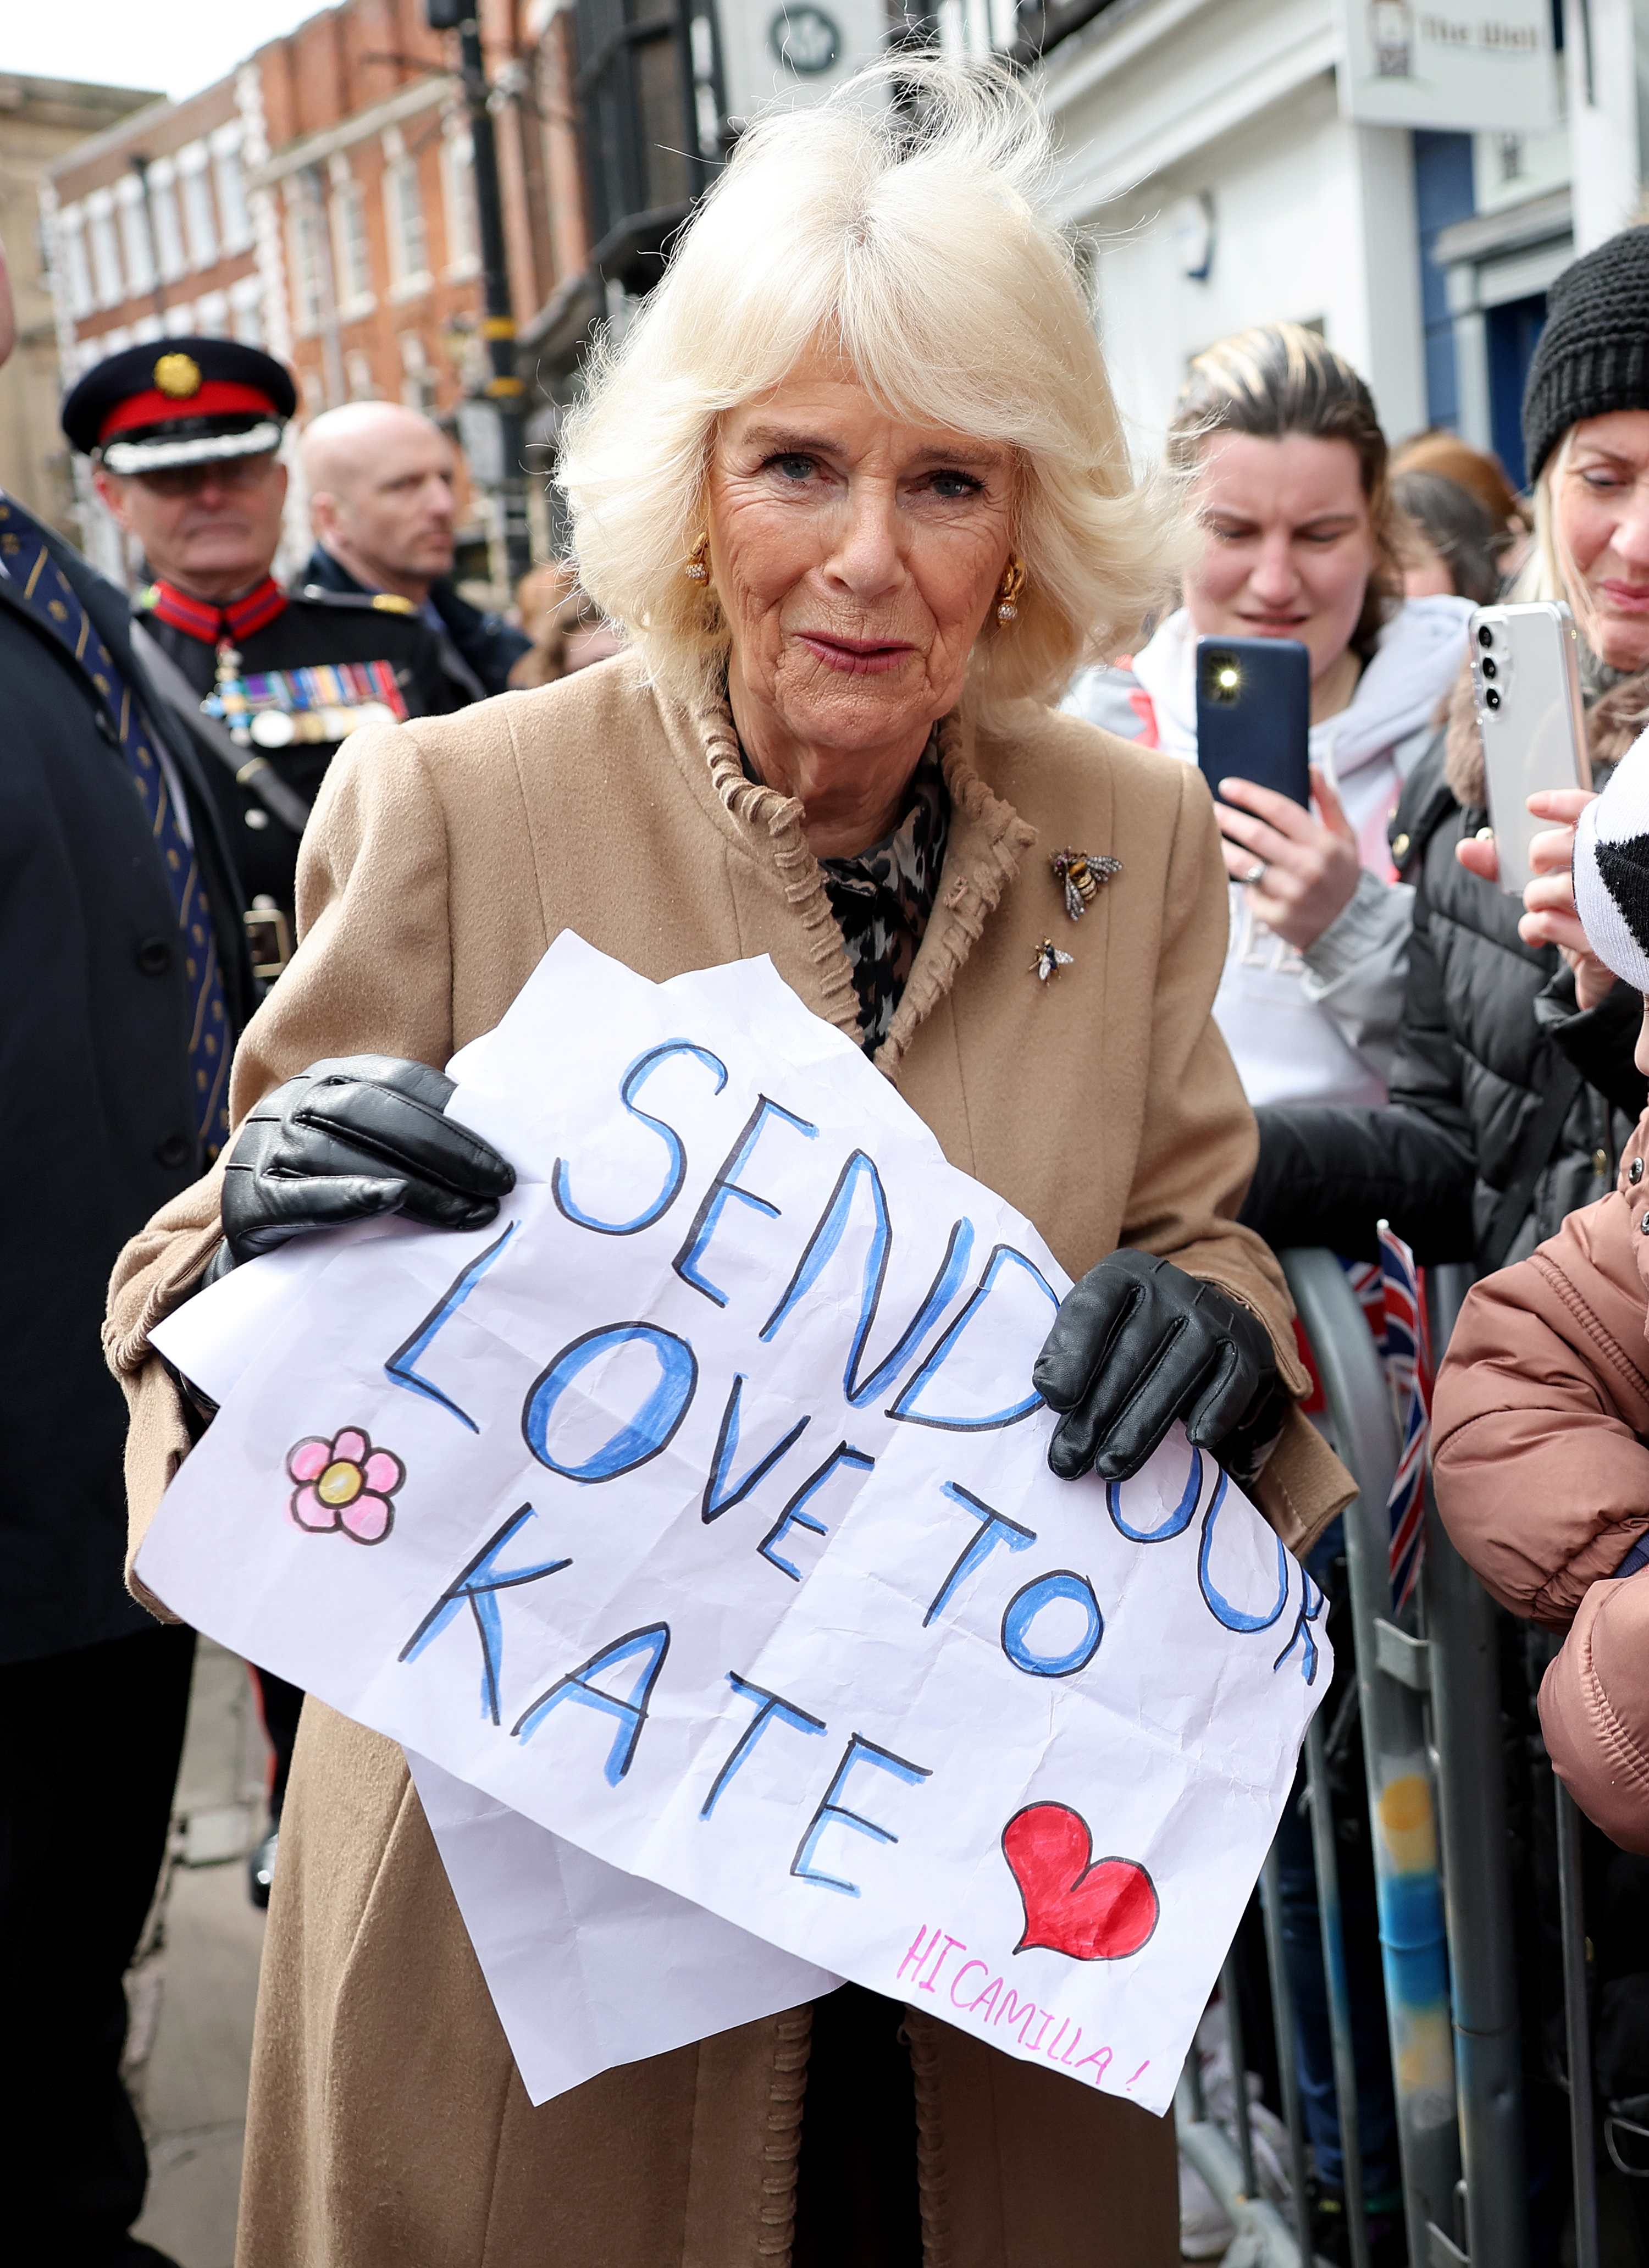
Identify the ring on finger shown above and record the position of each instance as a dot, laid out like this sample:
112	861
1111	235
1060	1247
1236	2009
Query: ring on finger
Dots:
1255	874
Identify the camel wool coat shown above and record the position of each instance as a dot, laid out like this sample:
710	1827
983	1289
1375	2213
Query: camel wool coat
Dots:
387	2124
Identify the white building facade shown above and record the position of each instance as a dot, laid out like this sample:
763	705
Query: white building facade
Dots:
1232	162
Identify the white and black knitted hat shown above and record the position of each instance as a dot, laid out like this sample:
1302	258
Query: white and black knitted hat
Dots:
1611	869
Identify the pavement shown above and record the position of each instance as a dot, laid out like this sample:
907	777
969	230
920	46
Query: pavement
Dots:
192	1989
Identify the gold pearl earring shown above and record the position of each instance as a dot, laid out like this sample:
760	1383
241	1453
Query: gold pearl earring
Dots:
1013	584
697	571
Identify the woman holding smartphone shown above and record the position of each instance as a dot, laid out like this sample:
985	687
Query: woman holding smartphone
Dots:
1514	1088
1278	438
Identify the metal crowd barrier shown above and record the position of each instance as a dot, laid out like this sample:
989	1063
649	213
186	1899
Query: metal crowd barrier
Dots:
1428	1690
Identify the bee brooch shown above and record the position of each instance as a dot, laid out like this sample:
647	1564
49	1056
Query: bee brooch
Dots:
1049	960
1079	874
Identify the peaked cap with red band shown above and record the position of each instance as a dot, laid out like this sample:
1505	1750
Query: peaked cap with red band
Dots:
179	402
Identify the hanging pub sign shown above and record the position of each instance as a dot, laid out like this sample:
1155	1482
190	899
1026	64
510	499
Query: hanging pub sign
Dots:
1476	66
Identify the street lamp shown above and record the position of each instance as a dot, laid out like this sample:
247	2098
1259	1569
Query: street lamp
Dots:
490	423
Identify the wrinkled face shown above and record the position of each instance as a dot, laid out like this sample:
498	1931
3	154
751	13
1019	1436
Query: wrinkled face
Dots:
855	558
396	507
1602	514
1287	549
214	527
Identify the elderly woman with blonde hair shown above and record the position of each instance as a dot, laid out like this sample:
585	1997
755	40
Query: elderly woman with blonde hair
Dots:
854	488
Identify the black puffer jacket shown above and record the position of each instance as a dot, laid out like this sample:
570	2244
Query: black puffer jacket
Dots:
1490	1030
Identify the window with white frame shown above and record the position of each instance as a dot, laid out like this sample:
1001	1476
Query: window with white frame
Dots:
233	213
211	315
403	213
308	252
170	256
352	253
417	379
357	371
75	268
105	251
246	311
135	238
458	180
199	221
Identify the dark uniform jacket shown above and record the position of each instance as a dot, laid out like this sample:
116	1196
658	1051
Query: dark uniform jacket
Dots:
315	629
478	650
1491	1029
97	1110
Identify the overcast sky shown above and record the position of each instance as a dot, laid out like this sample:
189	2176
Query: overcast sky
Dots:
176	47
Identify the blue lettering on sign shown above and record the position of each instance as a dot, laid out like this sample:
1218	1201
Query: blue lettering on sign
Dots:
723	1189
721	1492
1177	1521
771	1709
647	1647
998	1529
907	1406
821	1247
410	1350
1022	1610
793	1516
1220	1608
831	1813
1312	1602
650	1431
477	1587
676	1169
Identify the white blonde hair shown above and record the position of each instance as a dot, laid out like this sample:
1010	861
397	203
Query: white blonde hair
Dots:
1549	571
911	236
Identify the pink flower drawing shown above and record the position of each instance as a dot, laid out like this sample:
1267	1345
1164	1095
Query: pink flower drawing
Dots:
345	1484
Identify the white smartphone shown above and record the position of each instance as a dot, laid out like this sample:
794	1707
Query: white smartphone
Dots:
1526	673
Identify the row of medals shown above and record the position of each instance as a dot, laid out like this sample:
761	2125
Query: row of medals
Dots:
283	728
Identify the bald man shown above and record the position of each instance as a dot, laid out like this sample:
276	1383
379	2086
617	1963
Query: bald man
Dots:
380	483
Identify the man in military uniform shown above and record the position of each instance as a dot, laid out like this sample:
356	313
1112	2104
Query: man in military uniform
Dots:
182	434
382	500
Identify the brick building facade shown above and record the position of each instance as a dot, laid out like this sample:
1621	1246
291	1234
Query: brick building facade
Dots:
320	202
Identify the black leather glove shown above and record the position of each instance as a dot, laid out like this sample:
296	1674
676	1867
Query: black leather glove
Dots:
1136	1344
351	1138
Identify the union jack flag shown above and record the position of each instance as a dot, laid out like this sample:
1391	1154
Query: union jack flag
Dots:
1407	1349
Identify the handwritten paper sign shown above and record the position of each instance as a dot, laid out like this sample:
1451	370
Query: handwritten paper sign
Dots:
698	1510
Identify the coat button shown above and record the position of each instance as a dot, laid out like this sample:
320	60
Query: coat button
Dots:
1400	847
153	957
174	1151
1634	1172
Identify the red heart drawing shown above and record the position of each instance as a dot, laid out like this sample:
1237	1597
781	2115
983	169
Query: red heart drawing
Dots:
1093	1909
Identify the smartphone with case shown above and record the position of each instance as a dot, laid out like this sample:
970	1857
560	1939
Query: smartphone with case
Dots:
1526	674
1254	713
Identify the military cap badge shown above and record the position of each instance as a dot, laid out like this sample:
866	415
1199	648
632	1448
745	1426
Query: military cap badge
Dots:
177	376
